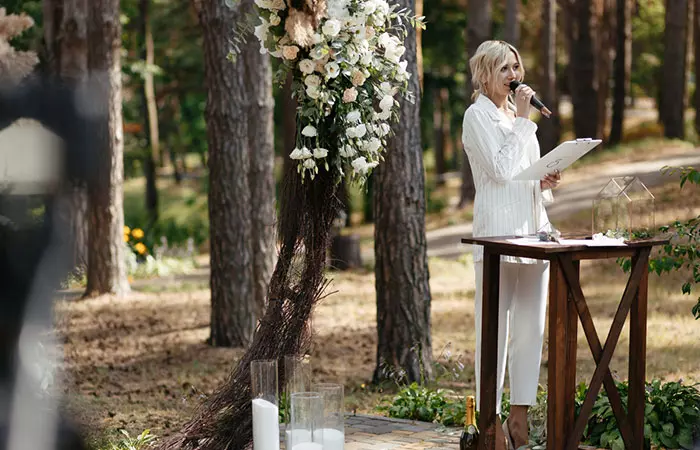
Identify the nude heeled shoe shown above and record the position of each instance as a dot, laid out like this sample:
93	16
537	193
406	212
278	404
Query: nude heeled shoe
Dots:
509	438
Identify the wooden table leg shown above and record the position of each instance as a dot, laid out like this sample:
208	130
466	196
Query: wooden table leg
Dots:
571	343
557	374
489	350
637	356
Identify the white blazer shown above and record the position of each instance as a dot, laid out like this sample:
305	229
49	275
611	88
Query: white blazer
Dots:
498	148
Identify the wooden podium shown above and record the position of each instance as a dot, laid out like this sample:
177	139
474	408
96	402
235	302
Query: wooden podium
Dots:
567	304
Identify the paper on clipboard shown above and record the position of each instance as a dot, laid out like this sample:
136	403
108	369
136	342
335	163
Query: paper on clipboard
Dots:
558	159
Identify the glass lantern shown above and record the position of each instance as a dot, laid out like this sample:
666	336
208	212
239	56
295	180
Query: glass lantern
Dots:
624	208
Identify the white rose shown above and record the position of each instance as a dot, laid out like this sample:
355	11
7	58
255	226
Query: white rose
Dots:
320	153
332	69
275	20
313	92
386	103
307	66
349	95
331	28
290	51
278	5
312	81
360	130
394	54
353	116
385	114
369	7
361	166
309	131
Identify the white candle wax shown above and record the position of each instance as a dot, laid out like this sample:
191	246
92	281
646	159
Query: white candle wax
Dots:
308	446
332	439
266	431
300	436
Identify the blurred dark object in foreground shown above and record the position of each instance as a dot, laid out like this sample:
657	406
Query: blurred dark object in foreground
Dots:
35	246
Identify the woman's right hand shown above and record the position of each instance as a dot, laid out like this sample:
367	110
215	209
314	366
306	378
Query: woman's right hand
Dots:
523	94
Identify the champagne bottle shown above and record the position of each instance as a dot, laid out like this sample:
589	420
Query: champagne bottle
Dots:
470	435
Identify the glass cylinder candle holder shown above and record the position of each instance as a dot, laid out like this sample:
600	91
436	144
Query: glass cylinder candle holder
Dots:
263	381
297	376
305	420
332	435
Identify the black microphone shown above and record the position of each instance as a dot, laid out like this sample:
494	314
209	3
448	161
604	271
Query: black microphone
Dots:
534	101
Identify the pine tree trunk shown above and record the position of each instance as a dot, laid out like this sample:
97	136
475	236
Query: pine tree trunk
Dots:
478	30
623	69
696	39
65	36
106	272
548	130
149	115
673	84
262	157
582	70
233	311
403	292
512	25
439	142
604	41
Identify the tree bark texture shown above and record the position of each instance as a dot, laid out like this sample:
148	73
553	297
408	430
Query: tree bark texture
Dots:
233	309
549	130
65	37
149	114
479	14
401	270
261	150
622	70
673	79
696	49
106	272
582	71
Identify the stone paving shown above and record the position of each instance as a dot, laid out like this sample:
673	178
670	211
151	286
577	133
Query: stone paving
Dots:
363	432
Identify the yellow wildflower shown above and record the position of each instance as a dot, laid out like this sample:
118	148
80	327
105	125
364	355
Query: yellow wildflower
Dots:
126	238
140	248
137	233
127	230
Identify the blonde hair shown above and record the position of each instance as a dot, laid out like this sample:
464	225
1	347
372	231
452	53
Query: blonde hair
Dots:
487	59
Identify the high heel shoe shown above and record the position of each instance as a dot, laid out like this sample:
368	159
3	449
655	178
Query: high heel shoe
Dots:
509	438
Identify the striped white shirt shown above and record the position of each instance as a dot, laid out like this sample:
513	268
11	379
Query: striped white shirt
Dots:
498	148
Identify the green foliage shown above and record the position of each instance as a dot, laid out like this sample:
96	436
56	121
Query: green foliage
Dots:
648	25
671	416
417	402
140	442
683	252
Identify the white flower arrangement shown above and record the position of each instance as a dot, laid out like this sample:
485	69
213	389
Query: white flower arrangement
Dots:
347	67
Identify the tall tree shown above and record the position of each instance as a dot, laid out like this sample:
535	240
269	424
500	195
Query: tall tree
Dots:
401	271
478	30
106	264
582	70
603	31
548	130
238	115
623	68
696	39
149	112
65	39
260	107
442	135
512	26
674	83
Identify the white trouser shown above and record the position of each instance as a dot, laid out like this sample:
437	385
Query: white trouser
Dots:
521	315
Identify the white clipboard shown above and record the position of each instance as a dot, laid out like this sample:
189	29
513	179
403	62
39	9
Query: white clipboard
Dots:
558	159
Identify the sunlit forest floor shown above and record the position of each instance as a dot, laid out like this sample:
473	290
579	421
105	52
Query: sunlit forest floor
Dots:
142	362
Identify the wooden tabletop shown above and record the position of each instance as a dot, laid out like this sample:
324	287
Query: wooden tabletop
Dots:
548	250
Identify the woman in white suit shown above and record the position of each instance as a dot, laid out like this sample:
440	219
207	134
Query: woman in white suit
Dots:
499	140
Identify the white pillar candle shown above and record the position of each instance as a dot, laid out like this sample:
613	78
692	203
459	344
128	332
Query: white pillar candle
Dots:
308	446
331	438
266	431
299	436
